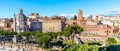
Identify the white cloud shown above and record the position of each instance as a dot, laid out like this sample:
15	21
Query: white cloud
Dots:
86	15
111	12
106	12
72	14
63	14
68	15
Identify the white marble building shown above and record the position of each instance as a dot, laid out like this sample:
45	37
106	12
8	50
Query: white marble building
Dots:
20	22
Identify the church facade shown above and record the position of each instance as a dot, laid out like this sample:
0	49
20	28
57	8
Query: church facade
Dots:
20	22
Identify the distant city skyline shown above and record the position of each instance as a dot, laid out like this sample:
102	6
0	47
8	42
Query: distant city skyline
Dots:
58	7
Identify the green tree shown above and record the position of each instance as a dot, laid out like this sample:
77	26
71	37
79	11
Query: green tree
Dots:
24	34
52	34
44	40
66	33
81	47
27	36
74	29
71	31
111	41
7	33
37	35
59	33
35	32
75	17
1	31
12	33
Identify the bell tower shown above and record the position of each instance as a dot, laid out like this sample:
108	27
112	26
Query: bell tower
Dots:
80	15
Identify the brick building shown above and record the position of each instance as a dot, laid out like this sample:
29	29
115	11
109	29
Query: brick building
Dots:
54	24
34	22
93	27
6	24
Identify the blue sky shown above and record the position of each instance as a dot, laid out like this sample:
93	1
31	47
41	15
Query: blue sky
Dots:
58	7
